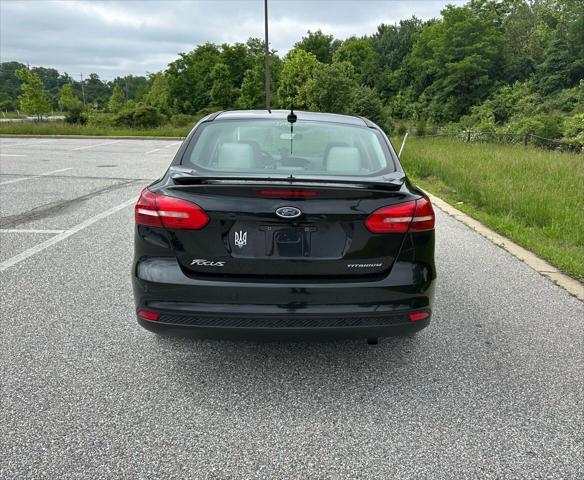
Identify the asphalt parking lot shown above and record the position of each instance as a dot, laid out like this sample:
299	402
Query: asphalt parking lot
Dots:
492	389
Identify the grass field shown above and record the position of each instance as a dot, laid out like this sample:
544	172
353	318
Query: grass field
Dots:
63	128
533	196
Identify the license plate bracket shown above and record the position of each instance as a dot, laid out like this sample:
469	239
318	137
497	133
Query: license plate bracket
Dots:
288	241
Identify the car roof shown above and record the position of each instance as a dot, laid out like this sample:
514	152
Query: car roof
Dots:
282	114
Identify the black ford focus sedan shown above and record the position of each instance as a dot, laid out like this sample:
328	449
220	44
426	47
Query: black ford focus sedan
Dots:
283	224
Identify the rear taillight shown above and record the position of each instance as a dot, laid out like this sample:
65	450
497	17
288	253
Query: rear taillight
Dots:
416	215
155	210
148	315
417	316
277	193
424	217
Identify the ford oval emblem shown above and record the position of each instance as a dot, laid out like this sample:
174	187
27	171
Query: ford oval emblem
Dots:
288	212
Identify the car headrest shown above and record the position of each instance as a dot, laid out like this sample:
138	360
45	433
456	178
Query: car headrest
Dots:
343	159
235	156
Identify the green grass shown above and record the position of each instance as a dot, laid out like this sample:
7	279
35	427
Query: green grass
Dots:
534	197
11	115
63	128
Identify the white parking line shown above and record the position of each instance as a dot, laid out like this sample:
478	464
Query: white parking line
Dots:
28	230
96	145
62	236
10	155
27	144
15	180
174	144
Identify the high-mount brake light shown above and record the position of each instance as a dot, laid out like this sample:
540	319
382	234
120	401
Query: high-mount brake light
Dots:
275	193
155	210
416	215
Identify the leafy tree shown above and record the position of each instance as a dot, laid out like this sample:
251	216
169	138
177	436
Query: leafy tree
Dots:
52	81
320	45
455	62
255	46
298	69
394	42
366	103
252	89
133	86
96	91
223	93
67	99
563	64
189	78
253	94
238	60
554	73
9	85
360	54
525	39
34	100
158	95
332	88
117	100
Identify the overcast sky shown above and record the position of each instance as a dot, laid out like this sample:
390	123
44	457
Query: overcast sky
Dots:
135	36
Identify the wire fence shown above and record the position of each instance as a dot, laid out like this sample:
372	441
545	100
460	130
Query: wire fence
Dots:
470	136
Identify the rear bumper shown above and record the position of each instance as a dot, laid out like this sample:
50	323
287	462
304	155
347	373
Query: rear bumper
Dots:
224	309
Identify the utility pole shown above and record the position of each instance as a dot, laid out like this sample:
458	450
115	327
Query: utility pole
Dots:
267	58
82	90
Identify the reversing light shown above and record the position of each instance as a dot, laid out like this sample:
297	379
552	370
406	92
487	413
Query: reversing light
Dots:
415	316
148	315
156	210
416	215
275	193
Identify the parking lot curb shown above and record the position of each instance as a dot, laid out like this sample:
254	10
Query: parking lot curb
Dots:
571	285
121	137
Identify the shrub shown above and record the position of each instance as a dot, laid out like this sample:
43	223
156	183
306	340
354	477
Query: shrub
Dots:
75	114
101	120
140	116
574	129
148	117
421	129
183	120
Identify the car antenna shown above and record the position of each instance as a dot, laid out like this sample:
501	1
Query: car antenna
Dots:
292	119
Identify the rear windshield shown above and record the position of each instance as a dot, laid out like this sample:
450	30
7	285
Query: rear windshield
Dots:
259	146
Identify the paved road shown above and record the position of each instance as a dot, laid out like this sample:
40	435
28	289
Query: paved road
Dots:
493	389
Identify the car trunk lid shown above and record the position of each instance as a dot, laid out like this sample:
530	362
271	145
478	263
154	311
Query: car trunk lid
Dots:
279	230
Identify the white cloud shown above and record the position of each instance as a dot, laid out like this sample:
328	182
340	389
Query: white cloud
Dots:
112	14
119	37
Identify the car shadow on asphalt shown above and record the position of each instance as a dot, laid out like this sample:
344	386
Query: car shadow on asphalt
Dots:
216	369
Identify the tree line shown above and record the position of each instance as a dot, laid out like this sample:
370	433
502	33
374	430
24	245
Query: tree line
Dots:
490	65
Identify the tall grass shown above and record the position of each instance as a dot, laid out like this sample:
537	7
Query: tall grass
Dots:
63	128
533	196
